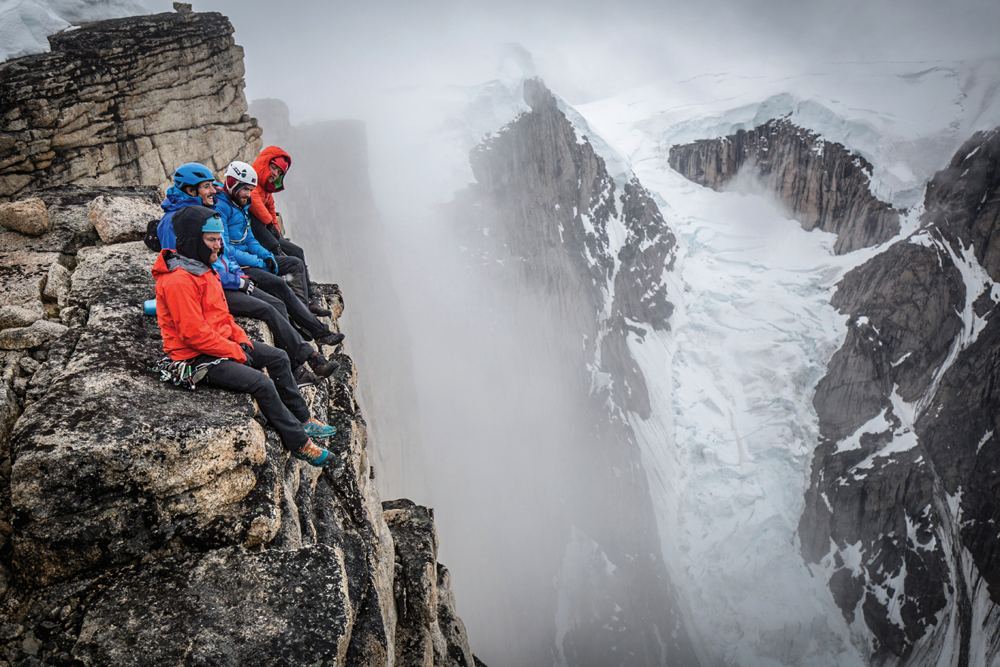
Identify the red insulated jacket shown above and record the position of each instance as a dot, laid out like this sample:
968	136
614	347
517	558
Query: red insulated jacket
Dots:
262	198
192	312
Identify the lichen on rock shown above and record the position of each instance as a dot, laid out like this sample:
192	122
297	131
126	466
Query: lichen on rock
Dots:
145	509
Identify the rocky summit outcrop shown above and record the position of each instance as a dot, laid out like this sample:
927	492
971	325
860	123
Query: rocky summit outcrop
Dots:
901	512
823	184
429	632
124	101
546	213
136	513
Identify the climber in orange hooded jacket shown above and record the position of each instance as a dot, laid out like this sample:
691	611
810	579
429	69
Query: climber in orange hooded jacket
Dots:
197	328
271	166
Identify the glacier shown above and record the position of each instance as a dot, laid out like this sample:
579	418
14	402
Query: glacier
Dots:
729	443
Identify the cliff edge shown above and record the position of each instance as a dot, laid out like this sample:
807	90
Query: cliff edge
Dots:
145	524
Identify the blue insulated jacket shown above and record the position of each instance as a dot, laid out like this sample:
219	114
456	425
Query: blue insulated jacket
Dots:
246	249
228	270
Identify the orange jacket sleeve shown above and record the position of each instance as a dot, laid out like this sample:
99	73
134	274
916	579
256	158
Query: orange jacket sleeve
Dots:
185	308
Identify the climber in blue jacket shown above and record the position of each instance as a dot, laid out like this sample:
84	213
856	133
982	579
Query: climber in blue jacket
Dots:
257	262
244	246
194	185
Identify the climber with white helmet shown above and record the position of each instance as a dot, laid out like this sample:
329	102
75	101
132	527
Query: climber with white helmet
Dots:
264	268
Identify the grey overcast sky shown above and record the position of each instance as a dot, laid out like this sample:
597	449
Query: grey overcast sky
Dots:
324	58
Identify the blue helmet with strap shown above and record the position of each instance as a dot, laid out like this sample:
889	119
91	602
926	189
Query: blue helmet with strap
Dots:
192	173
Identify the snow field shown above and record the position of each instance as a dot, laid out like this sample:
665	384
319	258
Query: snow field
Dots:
25	25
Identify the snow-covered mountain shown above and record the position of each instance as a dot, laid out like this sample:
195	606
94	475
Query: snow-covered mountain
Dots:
732	388
754	332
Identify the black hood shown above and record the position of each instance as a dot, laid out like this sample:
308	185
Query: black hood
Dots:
187	228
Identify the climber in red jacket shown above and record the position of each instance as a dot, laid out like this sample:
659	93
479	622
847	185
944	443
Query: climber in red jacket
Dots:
198	330
271	167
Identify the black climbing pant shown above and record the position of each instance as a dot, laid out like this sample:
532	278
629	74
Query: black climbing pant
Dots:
279	245
297	309
265	236
296	252
278	396
271	311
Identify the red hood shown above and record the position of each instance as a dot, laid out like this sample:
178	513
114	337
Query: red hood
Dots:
160	265
261	165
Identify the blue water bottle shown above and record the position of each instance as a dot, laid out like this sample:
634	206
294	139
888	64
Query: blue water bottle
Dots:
149	306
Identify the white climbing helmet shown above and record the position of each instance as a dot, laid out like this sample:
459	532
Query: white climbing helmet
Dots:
237	174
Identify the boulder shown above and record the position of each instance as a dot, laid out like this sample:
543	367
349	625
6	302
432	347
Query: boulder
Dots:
22	277
27	216
37	334
119	219
57	283
119	274
9	409
18	316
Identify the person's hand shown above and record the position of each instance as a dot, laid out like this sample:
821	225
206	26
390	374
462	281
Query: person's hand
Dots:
272	265
248	351
246	285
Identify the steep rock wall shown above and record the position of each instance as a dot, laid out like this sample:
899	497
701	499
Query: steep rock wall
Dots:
134	513
901	513
124	101
560	224
824	185
132	510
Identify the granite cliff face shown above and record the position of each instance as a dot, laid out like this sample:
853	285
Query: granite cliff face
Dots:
901	512
558	222
134	513
824	185
124	101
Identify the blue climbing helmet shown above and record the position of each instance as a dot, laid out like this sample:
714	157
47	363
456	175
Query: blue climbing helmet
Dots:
192	173
213	224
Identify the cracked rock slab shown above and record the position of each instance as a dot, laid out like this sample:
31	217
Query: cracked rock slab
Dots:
228	607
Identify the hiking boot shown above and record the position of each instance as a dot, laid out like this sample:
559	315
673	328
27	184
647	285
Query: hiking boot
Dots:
305	376
330	339
322	366
316	308
315	429
314	455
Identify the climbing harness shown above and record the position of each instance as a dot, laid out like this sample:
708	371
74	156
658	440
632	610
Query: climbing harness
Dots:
183	373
